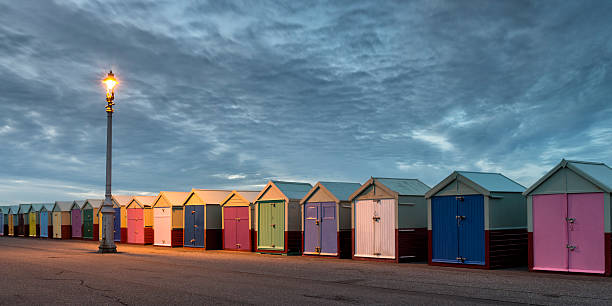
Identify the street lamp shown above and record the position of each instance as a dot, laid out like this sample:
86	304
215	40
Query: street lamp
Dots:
107	244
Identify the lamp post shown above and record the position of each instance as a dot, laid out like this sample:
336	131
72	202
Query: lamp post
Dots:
107	244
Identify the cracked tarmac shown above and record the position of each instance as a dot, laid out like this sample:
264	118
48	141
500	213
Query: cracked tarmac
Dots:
43	271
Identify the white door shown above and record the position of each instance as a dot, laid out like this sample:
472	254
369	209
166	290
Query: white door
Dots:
364	228
384	228
162	225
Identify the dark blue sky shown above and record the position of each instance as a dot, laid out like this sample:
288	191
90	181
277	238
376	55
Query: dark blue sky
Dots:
231	94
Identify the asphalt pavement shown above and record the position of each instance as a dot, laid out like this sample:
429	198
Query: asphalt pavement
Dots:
43	271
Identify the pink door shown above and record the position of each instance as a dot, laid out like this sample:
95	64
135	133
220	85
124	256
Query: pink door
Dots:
76	223
229	228
236	228
550	232
162	226
586	232
135	224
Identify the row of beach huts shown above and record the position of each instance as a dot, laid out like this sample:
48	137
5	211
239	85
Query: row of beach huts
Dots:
470	219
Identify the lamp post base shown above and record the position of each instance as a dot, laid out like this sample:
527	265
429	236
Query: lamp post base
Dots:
107	249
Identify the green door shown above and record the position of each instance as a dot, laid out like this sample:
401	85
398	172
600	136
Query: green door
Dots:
88	223
271	234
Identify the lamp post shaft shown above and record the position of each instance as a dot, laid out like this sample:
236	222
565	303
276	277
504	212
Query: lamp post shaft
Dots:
107	243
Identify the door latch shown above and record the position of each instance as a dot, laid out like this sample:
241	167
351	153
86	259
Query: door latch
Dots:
460	217
195	226
238	244
376	254
193	211
570	220
273	225
376	218
192	240
461	259
571	247
317	222
318	249
237	219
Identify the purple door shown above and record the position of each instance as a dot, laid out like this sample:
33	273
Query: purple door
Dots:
236	228
585	215
320	228
312	236
76	223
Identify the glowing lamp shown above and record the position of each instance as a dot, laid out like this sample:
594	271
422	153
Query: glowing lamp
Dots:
110	81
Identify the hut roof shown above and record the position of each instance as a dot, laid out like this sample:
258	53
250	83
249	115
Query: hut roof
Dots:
24	208
341	191
95	203
599	174
145	200
210	196
399	186
39	206
176	198
484	182
293	190
62	205
77	204
249	196
13	209
122	200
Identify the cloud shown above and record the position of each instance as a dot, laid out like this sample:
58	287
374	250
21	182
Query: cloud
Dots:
229	94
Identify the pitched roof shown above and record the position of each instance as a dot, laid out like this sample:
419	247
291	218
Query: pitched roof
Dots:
598	174
4	209
77	204
293	190
404	186
95	203
48	206
211	196
62	206
14	209
122	200
24	208
145	200
496	182
38	206
483	182
249	196
176	198
341	190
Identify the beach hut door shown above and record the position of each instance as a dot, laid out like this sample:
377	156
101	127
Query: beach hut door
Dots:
88	223
470	218
57	225
585	225
271	225
312	229
117	224
76	223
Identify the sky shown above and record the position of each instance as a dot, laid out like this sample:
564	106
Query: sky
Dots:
231	94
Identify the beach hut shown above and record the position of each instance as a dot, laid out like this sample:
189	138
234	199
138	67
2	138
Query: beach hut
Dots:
89	218
202	219
24	220
477	220
389	220
62	228
13	220
278	217
116	222
168	218
568	217
140	220
76	219
34	219
122	201
326	222
237	211
46	220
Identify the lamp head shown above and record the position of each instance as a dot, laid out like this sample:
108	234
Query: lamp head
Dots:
110	81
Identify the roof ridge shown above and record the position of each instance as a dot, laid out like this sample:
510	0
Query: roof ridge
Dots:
288	182
584	162
395	178
478	172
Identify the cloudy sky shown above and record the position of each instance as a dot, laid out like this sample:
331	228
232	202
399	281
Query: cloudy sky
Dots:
231	94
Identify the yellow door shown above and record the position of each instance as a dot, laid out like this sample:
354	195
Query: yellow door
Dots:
32	224
57	224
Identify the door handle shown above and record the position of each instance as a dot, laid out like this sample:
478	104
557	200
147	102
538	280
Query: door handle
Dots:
375	218
460	217
570	220
571	247
273	225
192	240
317	222
195	225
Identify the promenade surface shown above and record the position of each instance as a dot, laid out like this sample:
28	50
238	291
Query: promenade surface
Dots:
43	271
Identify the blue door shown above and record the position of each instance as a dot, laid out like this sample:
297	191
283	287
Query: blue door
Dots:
329	230
117	224
444	230
194	226
471	229
44	223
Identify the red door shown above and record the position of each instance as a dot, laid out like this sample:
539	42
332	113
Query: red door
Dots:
586	232
236	228
550	232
